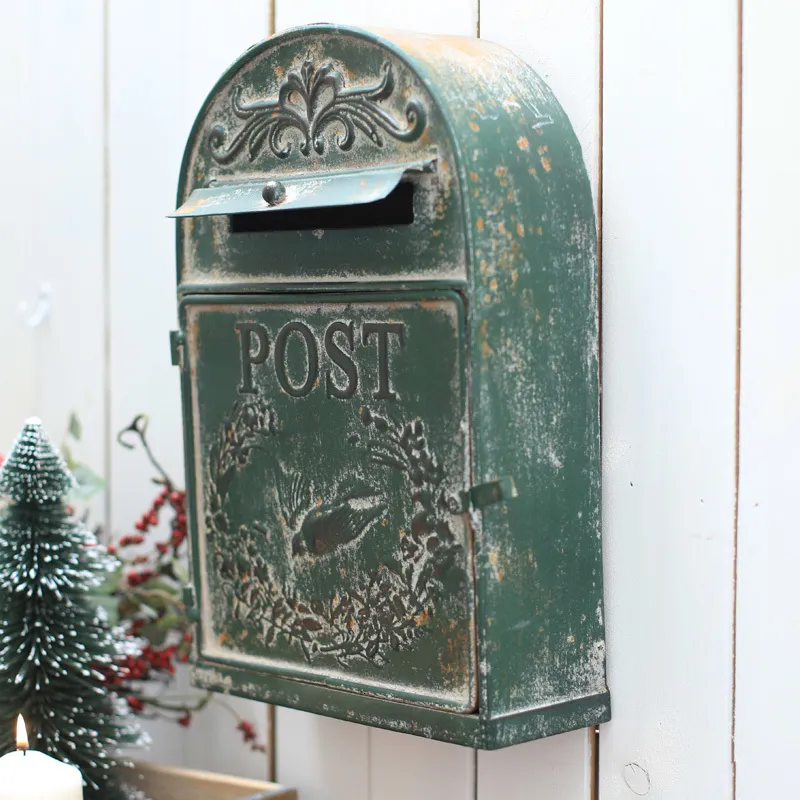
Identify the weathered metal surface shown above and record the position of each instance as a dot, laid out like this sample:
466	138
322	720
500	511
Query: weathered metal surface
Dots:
395	478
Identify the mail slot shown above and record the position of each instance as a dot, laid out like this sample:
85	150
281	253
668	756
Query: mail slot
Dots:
388	349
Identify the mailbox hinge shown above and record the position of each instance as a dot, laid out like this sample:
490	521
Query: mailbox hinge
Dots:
176	341
484	494
188	602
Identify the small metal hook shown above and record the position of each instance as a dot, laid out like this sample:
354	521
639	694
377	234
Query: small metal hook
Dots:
34	316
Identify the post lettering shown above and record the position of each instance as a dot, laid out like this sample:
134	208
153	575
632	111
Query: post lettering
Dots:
344	373
382	330
342	360
246	331
312	359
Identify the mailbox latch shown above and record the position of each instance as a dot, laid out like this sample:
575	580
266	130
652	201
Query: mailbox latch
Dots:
192	613
176	341
483	495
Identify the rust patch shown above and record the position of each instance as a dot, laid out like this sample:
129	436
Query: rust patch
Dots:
479	224
523	143
189	207
422	618
542	150
450	658
520	229
474	126
497	570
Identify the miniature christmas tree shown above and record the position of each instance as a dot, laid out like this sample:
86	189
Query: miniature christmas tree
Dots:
56	647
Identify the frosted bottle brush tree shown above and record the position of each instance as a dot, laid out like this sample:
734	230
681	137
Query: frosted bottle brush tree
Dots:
56	646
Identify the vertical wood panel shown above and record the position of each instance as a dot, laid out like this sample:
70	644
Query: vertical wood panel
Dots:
380	765
51	218
560	39
669	383
323	758
66	130
17	266
767	701
164	59
403	766
556	768
456	17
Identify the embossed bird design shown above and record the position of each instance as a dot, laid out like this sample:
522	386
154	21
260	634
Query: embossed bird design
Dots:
323	527
328	527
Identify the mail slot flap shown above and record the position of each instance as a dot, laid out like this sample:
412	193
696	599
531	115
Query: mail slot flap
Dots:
355	187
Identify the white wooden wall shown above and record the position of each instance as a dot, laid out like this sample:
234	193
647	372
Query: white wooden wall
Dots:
688	115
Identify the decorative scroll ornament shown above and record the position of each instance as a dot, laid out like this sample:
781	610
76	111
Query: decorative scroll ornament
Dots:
386	612
309	101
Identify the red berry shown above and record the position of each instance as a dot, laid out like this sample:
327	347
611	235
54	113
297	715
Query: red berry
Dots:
135	703
141	526
185	720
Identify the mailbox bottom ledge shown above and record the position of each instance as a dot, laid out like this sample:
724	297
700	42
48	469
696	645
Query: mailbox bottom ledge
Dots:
447	726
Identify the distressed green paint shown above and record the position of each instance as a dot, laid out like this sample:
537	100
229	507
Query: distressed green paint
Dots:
494	285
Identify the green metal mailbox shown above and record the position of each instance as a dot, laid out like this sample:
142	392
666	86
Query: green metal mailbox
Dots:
389	359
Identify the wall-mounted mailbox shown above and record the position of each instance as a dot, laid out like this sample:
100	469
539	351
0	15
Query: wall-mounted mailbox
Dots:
388	348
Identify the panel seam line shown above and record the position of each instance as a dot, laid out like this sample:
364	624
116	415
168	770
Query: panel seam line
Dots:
106	257
737	379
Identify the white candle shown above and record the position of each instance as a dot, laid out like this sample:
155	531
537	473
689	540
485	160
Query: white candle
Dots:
28	775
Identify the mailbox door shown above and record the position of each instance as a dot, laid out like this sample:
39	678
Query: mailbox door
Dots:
329	441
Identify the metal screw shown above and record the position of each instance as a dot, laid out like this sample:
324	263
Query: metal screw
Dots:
274	192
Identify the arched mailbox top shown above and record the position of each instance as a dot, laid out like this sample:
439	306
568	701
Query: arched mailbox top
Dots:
338	117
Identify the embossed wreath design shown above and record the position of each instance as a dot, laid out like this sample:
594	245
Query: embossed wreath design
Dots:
309	101
390	610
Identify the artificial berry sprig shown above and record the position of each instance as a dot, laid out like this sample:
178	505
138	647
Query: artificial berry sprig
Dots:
150	604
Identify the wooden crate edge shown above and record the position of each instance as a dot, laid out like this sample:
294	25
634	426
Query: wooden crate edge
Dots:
177	783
